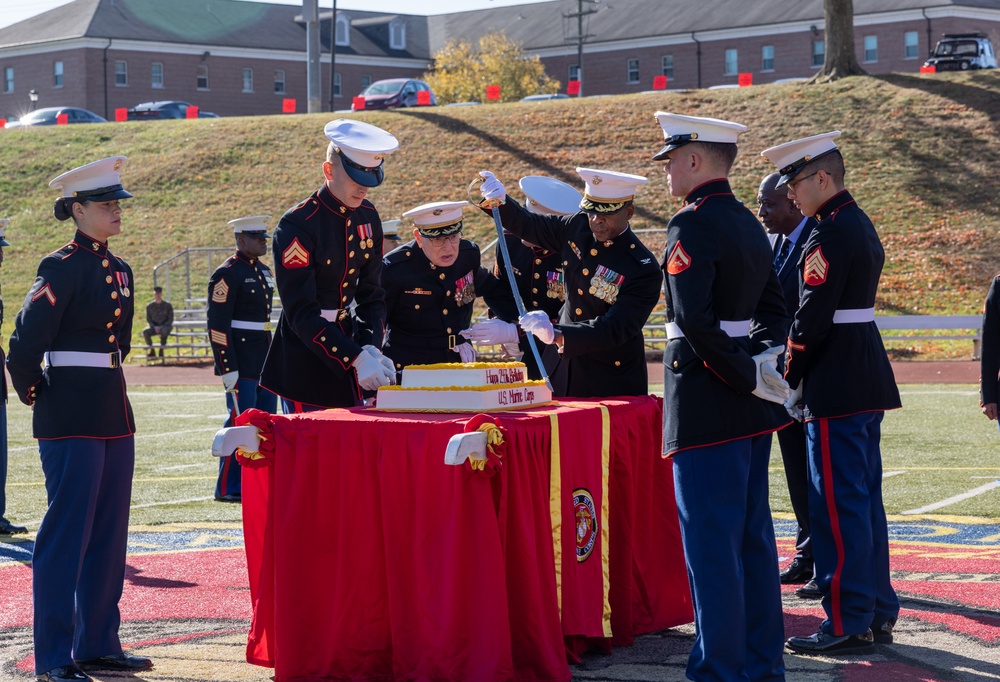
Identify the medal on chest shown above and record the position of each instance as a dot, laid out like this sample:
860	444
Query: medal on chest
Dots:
465	290
365	233
123	283
605	284
556	285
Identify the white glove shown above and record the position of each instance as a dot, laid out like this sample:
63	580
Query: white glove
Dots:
492	189
229	380
770	384
537	322
371	372
491	333
381	357
512	351
793	404
466	352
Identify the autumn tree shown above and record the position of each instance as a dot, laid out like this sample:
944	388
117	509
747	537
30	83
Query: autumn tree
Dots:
461	72
839	59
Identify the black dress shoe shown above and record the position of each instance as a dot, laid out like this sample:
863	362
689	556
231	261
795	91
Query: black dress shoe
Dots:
66	673
229	498
809	591
883	633
799	571
823	644
8	528
119	662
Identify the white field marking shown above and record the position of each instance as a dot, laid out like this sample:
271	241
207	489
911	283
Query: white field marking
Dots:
957	498
183	466
21	448
166	394
978	673
887	474
939	393
163	504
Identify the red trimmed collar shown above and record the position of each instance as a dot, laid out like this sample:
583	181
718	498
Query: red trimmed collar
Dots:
834	204
712	187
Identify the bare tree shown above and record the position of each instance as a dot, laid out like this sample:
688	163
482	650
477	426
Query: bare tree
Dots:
839	60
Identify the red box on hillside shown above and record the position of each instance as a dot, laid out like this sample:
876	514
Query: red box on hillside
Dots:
928	68
192	112
573	88
358	103
745	79
424	98
121	114
492	92
288	106
659	82
3	122
62	120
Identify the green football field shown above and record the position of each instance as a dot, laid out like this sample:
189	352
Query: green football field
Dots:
941	457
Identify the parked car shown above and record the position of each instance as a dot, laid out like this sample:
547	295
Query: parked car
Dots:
542	98
148	111
963	52
48	116
395	92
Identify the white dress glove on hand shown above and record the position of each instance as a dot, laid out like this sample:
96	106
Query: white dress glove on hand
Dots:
382	358
466	352
793	405
770	384
492	189
491	333
229	380
371	373
537	322
512	351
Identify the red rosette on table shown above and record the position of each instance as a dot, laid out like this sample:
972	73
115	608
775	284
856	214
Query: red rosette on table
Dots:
264	456
496	444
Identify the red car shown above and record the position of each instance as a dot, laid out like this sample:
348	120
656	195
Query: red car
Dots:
397	92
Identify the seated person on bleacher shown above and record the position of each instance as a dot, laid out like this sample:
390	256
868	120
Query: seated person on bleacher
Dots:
239	329
160	318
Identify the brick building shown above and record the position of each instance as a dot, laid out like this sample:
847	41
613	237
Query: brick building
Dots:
245	58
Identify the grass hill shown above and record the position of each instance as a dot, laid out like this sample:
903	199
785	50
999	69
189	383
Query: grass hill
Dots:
922	155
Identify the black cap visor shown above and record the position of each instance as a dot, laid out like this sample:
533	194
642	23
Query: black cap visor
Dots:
364	176
103	194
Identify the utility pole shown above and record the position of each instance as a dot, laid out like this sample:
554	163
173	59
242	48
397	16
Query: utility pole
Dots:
580	36
310	14
333	53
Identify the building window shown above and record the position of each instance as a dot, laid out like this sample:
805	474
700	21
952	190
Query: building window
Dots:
397	35
8	79
156	75
57	74
819	53
767	58
343	31
574	72
365	82
667	66
121	73
871	49
633	71
279	82
732	62
336	84
911	45
203	76
247	80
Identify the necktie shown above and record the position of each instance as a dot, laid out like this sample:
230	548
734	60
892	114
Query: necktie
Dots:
779	260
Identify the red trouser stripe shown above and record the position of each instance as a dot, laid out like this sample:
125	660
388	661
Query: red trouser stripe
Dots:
225	475
831	510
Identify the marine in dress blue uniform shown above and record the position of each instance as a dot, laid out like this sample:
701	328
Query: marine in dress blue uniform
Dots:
842	384
240	293
611	281
726	323
328	270
6	527
787	231
538	274
989	361
431	285
66	352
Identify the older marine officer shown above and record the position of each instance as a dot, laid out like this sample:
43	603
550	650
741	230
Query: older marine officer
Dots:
722	394
611	282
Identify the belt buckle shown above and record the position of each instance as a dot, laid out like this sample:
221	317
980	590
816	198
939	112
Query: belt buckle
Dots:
115	360
267	326
451	342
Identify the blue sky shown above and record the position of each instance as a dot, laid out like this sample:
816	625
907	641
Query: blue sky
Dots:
13	11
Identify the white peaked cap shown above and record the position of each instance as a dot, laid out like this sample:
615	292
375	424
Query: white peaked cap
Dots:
438	218
97	181
678	130
791	157
548	196
255	223
607	191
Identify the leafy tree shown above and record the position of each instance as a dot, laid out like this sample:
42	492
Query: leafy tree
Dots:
839	60
462	72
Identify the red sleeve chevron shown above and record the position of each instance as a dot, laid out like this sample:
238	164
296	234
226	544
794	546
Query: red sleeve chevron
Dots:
816	267
46	293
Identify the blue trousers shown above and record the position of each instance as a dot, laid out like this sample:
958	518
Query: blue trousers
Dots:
728	535
847	521
3	457
250	393
78	564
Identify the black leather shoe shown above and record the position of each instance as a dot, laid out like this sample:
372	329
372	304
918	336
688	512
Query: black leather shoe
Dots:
883	633
823	644
799	571
119	662
8	528
66	673
229	498
809	591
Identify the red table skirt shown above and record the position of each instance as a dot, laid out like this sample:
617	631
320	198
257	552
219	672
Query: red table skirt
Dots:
370	559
